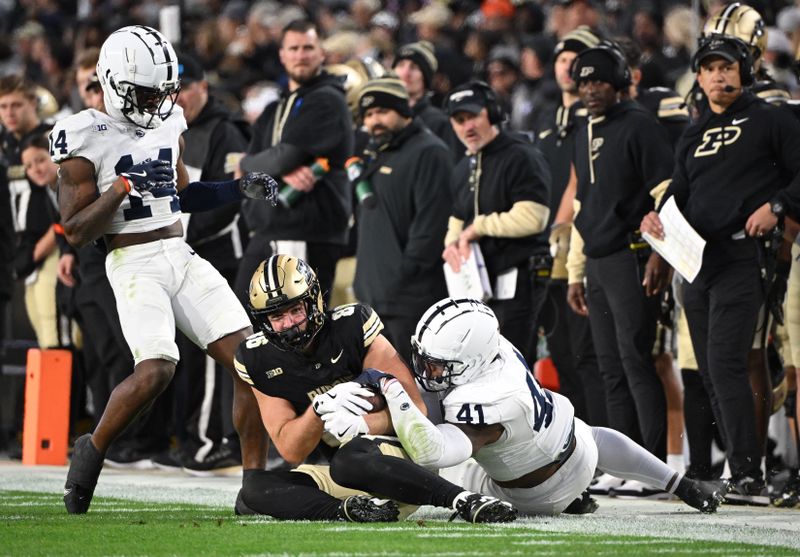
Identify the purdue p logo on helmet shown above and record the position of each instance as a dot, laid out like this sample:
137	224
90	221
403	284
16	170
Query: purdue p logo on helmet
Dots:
278	283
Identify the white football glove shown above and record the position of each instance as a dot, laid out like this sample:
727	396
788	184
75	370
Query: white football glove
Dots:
344	425
344	396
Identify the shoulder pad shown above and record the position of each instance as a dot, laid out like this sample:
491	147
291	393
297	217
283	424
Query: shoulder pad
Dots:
673	107
241	370
371	324
70	136
254	341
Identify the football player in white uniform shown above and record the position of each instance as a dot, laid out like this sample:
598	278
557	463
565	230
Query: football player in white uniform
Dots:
527	445
121	176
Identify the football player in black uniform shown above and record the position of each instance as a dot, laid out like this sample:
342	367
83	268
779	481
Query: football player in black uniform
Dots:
302	366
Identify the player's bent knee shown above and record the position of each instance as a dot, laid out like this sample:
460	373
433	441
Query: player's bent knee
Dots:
350	461
154	375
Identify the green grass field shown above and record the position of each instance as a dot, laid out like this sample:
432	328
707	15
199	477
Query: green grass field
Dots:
36	524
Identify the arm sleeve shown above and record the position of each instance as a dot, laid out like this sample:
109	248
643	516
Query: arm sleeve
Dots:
678	185
654	154
428	445
523	219
454	228
576	260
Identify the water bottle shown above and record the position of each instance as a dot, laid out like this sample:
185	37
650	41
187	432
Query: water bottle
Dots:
288	196
363	189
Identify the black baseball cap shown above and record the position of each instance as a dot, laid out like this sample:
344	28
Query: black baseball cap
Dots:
189	69
723	47
466	99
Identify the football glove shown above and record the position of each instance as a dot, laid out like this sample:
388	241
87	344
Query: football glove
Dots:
344	425
348	396
259	185
151	175
371	378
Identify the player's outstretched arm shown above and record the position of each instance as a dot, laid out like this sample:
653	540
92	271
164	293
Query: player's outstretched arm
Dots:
382	355
84	216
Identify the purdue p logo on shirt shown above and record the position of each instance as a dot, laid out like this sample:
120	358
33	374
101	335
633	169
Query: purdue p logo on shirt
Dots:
715	138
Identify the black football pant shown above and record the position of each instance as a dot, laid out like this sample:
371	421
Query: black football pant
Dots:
623	324
569	340
722	306
519	316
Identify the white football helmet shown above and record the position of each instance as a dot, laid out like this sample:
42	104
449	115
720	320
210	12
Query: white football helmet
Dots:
138	71
460	336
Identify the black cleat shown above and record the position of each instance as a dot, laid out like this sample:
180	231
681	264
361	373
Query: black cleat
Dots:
747	490
704	496
363	508
241	509
474	507
84	469
585	504
789	496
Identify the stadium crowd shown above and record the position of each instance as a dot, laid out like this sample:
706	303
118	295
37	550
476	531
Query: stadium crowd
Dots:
403	134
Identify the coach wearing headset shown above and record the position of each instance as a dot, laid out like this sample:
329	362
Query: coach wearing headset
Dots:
621	154
736	176
501	194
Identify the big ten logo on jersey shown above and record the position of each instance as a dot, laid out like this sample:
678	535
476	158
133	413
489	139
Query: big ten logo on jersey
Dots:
138	209
715	138
597	142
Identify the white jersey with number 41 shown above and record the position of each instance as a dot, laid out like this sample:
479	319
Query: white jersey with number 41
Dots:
113	147
537	423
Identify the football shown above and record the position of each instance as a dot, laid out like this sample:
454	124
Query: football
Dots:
377	400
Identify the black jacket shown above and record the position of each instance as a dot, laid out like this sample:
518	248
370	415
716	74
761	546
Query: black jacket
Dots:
668	107
511	170
729	164
630	155
316	123
399	263
557	144
208	140
439	123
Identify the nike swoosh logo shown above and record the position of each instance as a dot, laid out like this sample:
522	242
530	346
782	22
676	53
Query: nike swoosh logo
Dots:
336	359
736	121
144	174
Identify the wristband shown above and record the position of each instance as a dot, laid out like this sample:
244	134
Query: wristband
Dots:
126	183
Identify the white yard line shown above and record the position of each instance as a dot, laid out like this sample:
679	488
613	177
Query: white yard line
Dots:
664	519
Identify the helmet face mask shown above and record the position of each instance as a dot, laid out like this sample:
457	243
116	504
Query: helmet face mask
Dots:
138	72
455	340
278	284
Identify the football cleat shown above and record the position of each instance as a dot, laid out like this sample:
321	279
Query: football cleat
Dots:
747	490
240	508
585	504
705	496
363	508
789	496
604	484
84	469
475	508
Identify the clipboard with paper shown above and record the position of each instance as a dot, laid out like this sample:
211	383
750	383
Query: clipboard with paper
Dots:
472	281
682	247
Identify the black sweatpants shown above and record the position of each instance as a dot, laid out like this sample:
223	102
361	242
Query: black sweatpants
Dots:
623	323
722	306
519	316
569	340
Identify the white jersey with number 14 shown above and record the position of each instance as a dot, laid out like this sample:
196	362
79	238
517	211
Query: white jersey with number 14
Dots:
113	147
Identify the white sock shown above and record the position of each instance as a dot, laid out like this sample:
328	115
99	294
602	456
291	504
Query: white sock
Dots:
620	456
676	462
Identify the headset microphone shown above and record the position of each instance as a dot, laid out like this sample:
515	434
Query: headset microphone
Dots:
730	88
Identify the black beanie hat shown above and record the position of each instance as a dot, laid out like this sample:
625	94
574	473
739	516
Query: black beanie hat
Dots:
421	53
577	41
597	65
386	92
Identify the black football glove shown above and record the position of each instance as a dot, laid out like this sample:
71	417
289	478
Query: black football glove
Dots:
371	378
151	175
259	185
